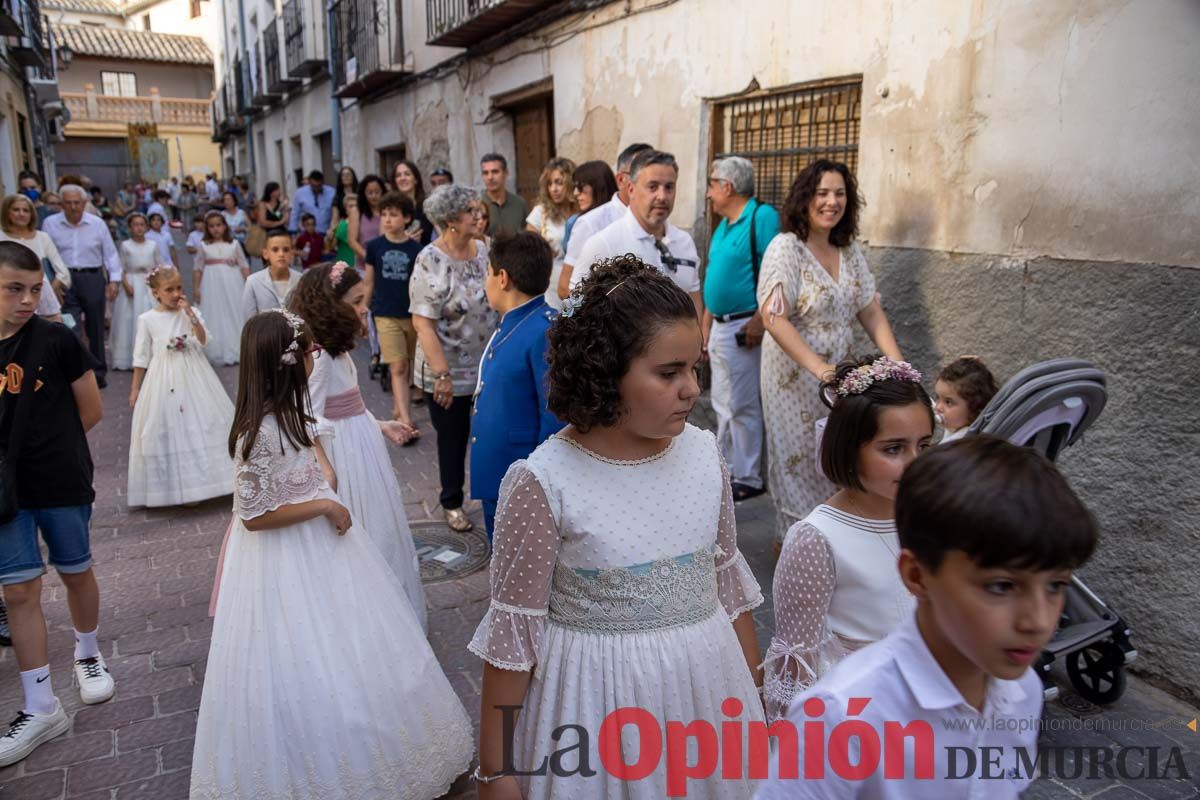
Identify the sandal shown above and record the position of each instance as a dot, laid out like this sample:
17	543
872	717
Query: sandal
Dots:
743	492
457	520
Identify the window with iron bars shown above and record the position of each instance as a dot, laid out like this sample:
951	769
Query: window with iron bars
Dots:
783	130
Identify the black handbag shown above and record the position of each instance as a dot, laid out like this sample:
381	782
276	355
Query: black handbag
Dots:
26	358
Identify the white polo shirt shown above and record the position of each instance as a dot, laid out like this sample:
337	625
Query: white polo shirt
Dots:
589	225
904	683
627	235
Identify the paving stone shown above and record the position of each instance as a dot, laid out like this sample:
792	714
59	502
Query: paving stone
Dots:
105	773
71	749
41	786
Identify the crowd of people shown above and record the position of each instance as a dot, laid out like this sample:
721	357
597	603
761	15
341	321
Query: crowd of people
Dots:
558	347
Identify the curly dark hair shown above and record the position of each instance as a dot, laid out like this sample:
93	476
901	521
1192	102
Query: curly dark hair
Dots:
973	381
334	324
854	419
618	309
794	215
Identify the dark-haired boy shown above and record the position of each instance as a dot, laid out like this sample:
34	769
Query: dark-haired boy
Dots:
989	535
391	256
50	399
511	418
309	243
269	288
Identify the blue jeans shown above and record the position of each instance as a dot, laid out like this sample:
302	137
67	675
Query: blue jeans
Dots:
65	531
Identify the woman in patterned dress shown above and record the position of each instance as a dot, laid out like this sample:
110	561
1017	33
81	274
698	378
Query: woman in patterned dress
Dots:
815	282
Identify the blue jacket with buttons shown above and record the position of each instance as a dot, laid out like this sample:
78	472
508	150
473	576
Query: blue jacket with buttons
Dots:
510	418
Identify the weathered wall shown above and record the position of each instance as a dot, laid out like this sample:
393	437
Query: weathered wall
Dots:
1137	467
172	80
307	116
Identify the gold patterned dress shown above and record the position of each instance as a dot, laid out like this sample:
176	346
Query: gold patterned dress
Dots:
825	312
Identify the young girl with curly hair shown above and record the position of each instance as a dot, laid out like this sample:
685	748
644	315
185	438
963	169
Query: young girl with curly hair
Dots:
319	683
332	301
963	389
837	587
616	579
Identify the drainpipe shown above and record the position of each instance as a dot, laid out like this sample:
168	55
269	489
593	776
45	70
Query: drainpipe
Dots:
246	83
335	105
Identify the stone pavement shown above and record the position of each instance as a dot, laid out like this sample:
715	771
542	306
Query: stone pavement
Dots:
156	570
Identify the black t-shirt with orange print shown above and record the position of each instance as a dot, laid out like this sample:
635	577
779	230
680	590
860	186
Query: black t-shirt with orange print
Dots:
54	467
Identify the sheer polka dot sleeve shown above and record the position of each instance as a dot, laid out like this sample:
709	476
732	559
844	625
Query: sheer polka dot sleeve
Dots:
803	647
525	551
737	588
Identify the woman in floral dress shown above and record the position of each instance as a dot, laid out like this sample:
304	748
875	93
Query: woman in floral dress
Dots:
814	284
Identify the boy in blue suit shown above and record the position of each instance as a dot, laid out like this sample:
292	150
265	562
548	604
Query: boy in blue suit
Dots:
511	418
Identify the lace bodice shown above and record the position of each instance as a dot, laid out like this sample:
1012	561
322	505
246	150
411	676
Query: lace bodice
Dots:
276	474
612	547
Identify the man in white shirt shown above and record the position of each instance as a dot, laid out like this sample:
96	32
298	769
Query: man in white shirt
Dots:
87	248
212	191
645	231
597	219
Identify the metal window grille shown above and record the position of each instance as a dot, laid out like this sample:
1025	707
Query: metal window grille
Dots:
781	131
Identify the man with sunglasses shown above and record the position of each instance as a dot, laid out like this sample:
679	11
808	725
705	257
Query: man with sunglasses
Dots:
597	219
645	231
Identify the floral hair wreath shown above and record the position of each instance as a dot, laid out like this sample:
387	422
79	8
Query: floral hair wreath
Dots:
336	272
159	269
292	350
882	369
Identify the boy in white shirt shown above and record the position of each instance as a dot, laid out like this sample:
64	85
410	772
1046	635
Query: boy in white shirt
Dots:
989	535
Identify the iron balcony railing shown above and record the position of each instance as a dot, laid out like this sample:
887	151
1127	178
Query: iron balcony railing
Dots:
462	23
28	46
278	81
305	57
368	47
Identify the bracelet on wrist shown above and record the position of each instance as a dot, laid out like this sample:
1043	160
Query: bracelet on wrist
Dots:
479	777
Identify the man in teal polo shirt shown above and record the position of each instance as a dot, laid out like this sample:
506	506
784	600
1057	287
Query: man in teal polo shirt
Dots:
733	327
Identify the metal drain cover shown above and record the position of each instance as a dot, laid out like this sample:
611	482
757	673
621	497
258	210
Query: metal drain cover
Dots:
446	554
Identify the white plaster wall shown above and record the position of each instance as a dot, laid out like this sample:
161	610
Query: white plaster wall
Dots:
175	16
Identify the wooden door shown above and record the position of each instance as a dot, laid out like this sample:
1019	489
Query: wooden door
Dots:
533	138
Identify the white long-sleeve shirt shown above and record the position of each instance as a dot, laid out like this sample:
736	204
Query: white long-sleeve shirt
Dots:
86	245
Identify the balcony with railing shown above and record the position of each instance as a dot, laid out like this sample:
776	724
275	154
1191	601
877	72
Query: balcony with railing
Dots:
368	46
90	107
243	101
303	44
278	81
27	46
260	92
462	23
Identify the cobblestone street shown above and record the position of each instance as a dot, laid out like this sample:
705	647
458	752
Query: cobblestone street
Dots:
156	571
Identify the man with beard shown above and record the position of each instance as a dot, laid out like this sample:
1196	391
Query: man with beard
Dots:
644	229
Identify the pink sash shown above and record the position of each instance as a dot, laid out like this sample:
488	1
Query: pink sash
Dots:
216	590
345	404
229	262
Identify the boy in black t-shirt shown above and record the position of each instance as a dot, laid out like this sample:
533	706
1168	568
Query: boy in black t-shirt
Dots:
392	256
45	368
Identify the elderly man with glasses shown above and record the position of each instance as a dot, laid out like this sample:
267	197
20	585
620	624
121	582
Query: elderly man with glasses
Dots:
732	325
87	248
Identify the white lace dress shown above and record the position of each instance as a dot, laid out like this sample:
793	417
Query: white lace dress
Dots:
179	439
320	684
221	288
137	258
367	483
837	589
616	582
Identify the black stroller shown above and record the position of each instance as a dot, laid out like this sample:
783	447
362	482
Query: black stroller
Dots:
1048	406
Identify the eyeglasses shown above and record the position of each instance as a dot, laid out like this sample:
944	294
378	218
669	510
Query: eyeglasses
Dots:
478	213
580	186
712	181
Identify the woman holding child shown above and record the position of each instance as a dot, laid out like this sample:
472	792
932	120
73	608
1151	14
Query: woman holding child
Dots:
815	283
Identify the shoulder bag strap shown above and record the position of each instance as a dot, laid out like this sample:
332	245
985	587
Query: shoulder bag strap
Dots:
754	257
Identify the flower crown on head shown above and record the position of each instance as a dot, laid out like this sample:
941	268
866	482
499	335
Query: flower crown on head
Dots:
150	275
882	369
290	352
336	271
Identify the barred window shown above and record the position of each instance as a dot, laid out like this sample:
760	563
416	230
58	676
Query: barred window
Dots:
783	130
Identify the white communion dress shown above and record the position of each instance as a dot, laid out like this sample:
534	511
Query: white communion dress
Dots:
320	684
179	439
837	589
221	298
366	483
616	582
137	259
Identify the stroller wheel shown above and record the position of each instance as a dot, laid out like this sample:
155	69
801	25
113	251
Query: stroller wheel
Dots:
1098	672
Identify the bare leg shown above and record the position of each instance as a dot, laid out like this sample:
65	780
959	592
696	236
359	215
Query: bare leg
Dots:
27	624
400	377
83	597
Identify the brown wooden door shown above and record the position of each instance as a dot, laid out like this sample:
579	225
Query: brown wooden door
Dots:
533	137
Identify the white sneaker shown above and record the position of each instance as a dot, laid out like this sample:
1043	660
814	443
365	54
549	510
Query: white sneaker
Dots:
28	731
95	684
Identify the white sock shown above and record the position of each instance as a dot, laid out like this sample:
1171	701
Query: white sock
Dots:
86	645
39	695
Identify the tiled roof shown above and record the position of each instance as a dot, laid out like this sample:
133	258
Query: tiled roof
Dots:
89	40
83	6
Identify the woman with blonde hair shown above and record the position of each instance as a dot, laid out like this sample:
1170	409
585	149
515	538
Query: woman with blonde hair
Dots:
549	217
18	223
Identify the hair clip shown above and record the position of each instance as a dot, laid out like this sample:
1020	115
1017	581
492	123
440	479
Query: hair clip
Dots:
150	275
882	369
618	286
336	271
290	352
571	305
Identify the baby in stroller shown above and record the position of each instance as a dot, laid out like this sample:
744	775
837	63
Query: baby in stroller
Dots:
963	389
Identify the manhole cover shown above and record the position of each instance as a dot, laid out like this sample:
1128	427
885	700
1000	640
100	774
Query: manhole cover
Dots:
445	554
1072	702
